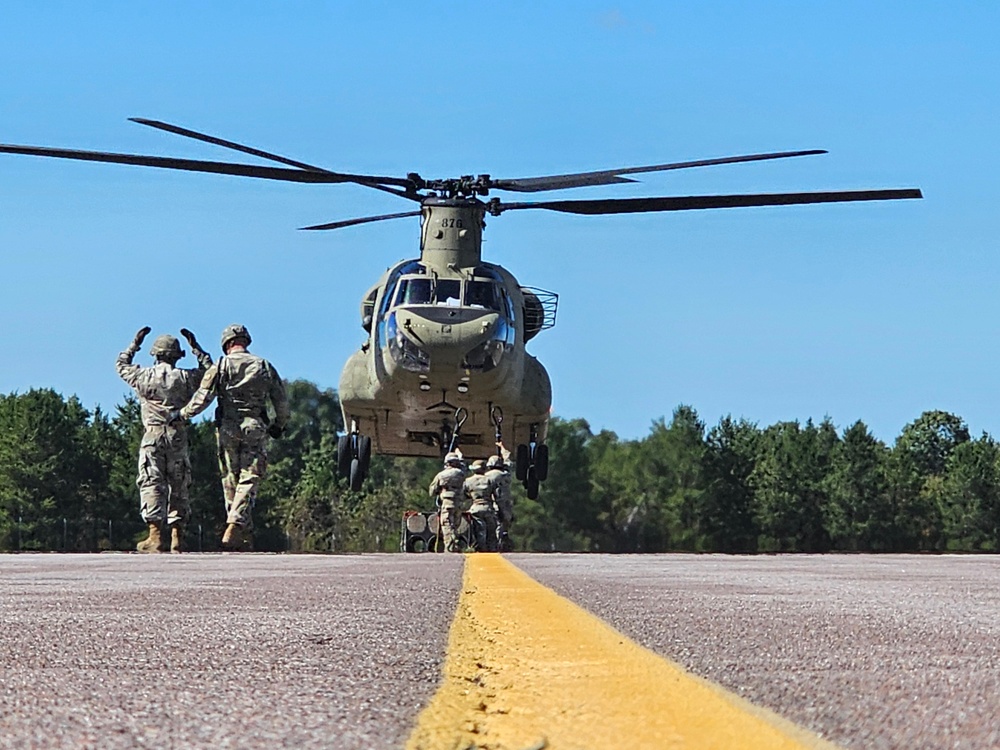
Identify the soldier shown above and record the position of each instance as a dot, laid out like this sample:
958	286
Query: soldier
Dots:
447	488
243	383
481	491
164	464
498	472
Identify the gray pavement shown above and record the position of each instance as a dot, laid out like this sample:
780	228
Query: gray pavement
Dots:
870	651
220	651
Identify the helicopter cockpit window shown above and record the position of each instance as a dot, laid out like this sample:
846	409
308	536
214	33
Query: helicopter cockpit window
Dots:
487	272
483	294
448	292
414	292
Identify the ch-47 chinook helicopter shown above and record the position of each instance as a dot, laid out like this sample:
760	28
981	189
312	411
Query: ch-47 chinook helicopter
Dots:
445	360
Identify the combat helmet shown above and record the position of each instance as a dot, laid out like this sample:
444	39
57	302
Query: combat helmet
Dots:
453	459
494	462
235	331
478	466
166	347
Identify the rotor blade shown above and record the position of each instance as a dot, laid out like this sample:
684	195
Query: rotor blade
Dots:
178	130
215	167
221	142
642	205
612	176
364	220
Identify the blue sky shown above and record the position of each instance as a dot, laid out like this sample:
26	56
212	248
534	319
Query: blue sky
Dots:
871	311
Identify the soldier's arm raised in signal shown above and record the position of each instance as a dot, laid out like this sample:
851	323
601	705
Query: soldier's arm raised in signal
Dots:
204	358
126	370
203	396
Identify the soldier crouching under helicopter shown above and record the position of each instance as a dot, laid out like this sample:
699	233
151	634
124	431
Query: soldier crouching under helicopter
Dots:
447	487
481	491
164	463
498	473
243	383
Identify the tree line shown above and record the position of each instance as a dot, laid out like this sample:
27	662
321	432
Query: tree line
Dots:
67	482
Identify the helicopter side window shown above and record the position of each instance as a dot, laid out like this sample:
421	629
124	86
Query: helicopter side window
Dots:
482	294
386	300
414	292
509	305
448	292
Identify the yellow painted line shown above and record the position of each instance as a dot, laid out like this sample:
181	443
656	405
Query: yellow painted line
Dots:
527	668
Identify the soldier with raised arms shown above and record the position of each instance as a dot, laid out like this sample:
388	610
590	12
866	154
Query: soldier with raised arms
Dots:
446	488
164	463
481	491
498	473
243	383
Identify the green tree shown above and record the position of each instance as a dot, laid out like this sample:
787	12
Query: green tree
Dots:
859	513
565	516
45	471
971	496
790	488
919	460
727	518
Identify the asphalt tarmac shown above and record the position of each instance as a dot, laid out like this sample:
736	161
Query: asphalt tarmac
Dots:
888	651
220	651
227	651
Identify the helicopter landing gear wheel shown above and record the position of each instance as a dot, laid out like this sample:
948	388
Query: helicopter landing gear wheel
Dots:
354	457
365	453
541	462
531	484
532	465
344	456
521	462
357	476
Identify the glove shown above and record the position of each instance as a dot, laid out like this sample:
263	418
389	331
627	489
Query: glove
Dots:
189	337
275	431
140	336
174	416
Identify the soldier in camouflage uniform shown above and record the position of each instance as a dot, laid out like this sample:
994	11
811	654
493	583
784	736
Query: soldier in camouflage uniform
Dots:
164	464
243	383
481	491
447	488
498	472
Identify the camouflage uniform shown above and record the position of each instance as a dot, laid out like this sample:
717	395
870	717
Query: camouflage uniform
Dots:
447	488
480	489
243	383
164	463
499	476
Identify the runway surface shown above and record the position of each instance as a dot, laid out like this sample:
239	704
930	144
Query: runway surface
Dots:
220	651
888	651
116	651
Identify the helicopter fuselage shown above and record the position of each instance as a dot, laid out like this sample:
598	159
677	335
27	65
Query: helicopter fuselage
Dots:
447	332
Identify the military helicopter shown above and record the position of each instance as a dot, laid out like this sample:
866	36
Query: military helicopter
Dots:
444	361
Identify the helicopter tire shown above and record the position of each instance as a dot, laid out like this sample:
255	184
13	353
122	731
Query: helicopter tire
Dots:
531	485
365	452
344	456
542	462
357	476
521	463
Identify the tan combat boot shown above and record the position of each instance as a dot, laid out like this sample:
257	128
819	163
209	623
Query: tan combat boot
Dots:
153	542
176	538
232	538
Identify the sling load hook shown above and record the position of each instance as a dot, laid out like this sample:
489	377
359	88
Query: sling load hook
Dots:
461	414
496	416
